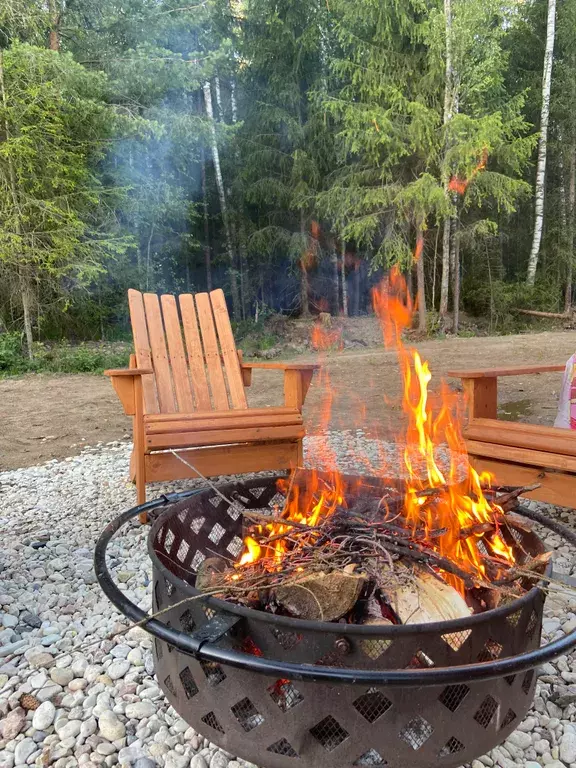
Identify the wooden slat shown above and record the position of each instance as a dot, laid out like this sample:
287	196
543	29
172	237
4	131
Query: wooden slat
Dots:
203	425
285	366
482	373
178	360
211	352
555	487
159	353
158	418
222	437
522	456
228	349
230	459
522	428
195	353
142	349
293	389
503	433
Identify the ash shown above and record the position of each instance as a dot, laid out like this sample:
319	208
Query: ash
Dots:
100	702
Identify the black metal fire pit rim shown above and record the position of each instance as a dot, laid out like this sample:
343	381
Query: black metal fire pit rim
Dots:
198	647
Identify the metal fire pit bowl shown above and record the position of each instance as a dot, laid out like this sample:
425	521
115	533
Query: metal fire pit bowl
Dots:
284	692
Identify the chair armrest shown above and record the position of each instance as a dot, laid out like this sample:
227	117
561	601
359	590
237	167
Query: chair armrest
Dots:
285	366
127	372
491	373
124	383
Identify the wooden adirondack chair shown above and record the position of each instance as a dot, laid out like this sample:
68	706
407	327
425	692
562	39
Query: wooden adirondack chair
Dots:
185	390
518	454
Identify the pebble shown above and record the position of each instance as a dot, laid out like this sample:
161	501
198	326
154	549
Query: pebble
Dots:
61	676
110	726
568	747
44	716
13	723
140	710
118	669
23	750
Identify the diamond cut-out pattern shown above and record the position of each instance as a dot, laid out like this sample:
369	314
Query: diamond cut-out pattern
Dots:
457	639
491	651
486	711
416	732
170	685
453	695
190	687
527	681
282	747
197	524
216	533
169	587
420	661
533	623
509	717
169	540
159	649
375	648
197	560
451	747
285	638
235	546
329	733
510	679
247	714
213	671
187	621
285	694
235	510
371	757
212	722
372	705
208	612
514	618
183	550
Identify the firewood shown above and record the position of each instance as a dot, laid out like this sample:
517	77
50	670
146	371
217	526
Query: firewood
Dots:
321	596
208	571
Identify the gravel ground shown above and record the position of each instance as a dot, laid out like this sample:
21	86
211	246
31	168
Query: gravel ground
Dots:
101	705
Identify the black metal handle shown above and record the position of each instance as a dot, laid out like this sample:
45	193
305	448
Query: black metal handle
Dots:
198	645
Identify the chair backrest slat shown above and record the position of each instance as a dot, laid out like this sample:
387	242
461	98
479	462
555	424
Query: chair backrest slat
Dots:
177	356
188	342
228	349
142	349
195	353
159	353
211	352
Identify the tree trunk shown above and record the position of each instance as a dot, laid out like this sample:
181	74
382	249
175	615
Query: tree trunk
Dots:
420	279
356	307
455	266
542	145
233	104
25	296
232	272
54	36
207	249
448	112
570	230
304	283
343	279
335	279
219	99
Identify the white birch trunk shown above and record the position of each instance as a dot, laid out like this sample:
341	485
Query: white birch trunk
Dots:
570	230
448	111
343	279
542	145
223	206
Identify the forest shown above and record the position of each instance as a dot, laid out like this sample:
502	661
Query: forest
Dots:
288	152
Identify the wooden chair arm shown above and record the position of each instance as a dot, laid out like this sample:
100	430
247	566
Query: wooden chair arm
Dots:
128	386
306	369
491	373
127	372
296	384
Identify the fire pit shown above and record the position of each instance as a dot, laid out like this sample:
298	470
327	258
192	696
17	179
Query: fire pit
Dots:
281	692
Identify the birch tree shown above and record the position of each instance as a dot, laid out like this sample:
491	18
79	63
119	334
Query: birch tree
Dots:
448	111
539	189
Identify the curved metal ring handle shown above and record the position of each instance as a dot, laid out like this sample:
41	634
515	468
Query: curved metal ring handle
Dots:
199	647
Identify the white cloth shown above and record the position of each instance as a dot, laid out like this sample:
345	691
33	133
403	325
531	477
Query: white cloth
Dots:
563	416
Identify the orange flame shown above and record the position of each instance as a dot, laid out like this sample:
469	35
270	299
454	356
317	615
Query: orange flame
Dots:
459	185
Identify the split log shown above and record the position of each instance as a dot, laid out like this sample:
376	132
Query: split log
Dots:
553	315
209	574
321	596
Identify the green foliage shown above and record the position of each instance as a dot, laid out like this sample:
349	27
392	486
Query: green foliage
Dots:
59	358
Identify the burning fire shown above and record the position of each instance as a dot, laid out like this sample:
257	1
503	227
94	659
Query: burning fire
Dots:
459	500
460	185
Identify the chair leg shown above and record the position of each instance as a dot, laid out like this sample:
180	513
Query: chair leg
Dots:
139	456
300	458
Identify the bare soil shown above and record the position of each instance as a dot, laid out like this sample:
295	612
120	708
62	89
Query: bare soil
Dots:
53	416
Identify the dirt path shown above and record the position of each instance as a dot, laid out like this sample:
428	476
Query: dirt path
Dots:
47	416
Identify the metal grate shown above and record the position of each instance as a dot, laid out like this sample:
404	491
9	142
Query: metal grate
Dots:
235	546
508	718
375	648
329	733
183	550
197	560
416	732
510	679
169	587
457	639
285	694
213	671
169	540
187	621
208	612
420	661
532	626
486	711
371	757
212	722
453	695
159	649
197	524
247	714
282	747
514	618
170	685
190	687
372	705
527	681
216	533
331	659
451	747
491	651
